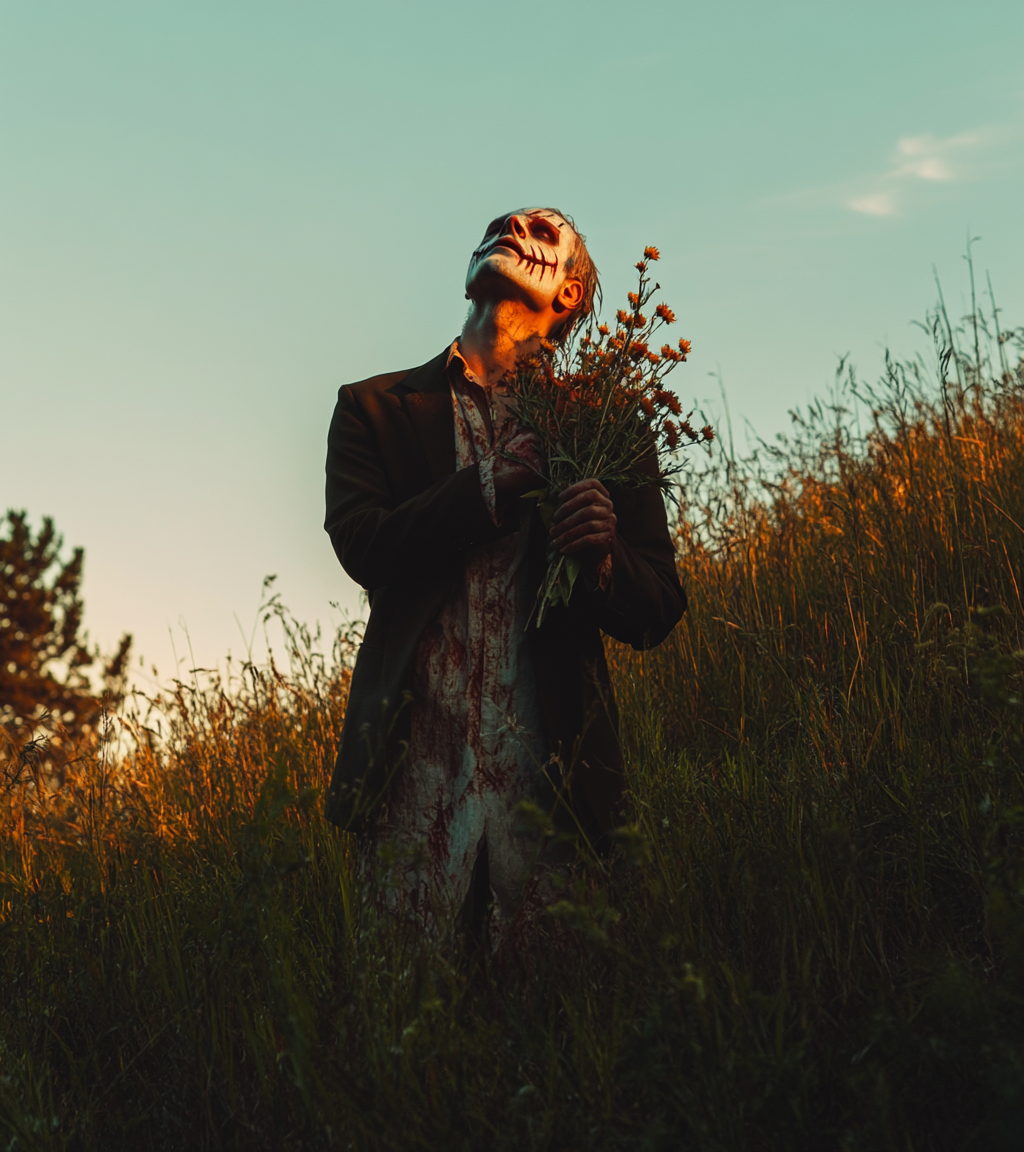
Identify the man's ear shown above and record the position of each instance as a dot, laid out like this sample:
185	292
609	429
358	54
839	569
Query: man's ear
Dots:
569	297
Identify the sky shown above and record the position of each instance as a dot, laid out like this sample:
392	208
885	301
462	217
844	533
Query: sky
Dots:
215	213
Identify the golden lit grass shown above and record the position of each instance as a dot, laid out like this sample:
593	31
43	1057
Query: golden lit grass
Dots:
815	940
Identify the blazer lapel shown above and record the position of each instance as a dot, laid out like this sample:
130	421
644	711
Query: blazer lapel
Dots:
429	404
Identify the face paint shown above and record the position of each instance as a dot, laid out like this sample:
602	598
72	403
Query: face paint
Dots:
529	248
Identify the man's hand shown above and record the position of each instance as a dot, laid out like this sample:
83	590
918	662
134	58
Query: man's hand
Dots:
584	522
515	477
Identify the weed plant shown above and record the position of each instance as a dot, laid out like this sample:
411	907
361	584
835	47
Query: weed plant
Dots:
812	938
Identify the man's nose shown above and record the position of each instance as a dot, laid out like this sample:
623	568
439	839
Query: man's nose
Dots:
517	226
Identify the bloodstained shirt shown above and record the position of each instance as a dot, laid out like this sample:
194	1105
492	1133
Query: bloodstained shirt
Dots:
475	745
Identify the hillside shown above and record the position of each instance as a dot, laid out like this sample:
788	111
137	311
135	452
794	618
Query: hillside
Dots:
813	936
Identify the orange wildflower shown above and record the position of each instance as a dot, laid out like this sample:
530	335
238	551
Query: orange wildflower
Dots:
604	398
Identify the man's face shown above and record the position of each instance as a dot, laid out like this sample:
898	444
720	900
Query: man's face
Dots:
522	253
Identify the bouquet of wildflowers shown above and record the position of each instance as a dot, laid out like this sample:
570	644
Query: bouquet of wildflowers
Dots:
599	409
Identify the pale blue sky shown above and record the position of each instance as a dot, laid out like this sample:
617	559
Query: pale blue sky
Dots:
213	214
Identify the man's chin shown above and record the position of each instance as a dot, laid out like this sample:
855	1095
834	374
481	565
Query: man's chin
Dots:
502	262
499	276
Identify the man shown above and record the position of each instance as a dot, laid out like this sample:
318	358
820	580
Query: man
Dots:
458	710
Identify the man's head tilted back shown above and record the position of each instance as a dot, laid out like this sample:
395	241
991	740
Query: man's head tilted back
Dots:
536	257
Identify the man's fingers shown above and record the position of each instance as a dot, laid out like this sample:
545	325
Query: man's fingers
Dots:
585	485
588	527
584	519
589	499
601	518
517	472
524	444
603	540
521	453
581	486
524	457
583	538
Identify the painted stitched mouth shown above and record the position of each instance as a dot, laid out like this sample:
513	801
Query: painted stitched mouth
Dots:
510	242
533	258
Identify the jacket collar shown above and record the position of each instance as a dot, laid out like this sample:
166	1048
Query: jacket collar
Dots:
428	401
432	376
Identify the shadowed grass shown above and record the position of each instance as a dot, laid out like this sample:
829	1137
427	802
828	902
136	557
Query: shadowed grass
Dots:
814	937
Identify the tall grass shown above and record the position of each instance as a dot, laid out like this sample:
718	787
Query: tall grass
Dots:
814	939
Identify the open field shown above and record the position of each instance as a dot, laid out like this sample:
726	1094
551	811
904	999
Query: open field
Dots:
813	940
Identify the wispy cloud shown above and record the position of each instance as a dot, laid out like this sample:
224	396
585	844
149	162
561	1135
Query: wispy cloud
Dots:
931	159
919	166
926	157
875	204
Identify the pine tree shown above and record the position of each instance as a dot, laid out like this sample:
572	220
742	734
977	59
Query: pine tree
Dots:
43	655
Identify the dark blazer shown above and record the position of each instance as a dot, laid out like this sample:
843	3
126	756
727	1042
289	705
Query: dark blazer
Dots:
401	519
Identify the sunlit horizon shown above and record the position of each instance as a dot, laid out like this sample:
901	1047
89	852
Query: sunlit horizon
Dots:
213	217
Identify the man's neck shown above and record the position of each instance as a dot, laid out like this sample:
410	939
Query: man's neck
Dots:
495	335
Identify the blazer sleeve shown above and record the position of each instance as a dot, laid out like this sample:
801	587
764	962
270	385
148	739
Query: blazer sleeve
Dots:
645	599
377	540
